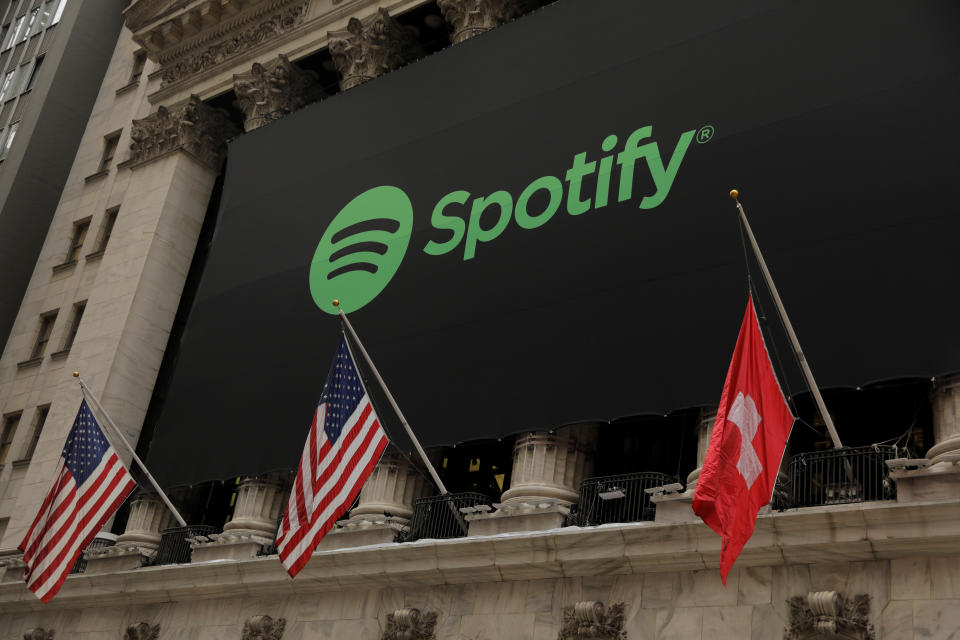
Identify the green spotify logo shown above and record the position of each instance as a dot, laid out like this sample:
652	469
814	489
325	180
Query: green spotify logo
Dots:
361	249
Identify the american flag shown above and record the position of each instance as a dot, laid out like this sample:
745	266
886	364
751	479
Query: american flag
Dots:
342	448
90	484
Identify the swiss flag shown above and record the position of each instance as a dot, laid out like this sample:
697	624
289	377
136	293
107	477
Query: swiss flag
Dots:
747	445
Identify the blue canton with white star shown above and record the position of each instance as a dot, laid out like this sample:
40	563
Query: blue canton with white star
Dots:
342	391
85	446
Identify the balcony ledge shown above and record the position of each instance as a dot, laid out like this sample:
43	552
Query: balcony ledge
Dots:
853	532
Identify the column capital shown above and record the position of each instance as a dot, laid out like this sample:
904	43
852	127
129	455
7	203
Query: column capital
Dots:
469	18
192	126
272	90
370	47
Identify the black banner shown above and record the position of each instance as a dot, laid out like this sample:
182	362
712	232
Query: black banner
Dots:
532	228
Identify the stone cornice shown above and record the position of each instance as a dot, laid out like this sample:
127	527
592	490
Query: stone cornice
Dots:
855	532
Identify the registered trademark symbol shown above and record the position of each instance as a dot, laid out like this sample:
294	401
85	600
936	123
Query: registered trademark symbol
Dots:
705	133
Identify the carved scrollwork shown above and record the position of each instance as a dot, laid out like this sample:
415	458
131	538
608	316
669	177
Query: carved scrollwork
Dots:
235	44
592	621
370	47
39	633
194	127
410	624
142	631
473	17
263	628
270	91
828	615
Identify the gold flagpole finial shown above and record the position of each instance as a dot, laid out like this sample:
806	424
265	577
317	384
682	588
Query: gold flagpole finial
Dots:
734	194
76	374
336	303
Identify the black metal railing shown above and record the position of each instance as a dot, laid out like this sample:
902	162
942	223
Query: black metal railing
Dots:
440	516
840	476
621	498
175	546
97	543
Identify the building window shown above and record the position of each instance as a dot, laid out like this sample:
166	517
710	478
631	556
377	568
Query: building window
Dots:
74	325
29	30
139	62
5	91
59	11
8	140
39	419
13	33
109	148
43	334
46	12
106	229
80	229
34	73
10	423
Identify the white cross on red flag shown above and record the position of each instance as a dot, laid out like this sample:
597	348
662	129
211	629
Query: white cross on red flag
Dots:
747	445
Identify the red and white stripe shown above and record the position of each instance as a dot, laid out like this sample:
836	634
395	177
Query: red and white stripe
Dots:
328	481
69	519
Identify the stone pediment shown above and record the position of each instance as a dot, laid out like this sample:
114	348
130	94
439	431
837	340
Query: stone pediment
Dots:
188	36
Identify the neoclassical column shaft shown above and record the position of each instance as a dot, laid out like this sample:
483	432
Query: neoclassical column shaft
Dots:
704	430
258	506
270	91
946	418
370	47
391	488
149	516
468	18
551	466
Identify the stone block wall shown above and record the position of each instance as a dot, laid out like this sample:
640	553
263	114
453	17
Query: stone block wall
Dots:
912	597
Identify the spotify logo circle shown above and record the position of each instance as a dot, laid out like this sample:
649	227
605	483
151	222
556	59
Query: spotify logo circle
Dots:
361	249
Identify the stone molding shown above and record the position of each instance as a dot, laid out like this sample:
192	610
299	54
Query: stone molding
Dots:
148	518
857	532
270	91
469	18
176	67
263	627
142	631
194	127
829	615
590	620
410	624
391	489
370	47
39	633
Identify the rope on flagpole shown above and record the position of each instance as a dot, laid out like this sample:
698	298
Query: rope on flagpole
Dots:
88	394
798	352
393	403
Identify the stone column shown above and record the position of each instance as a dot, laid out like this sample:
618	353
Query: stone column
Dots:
138	543
704	430
547	471
946	420
253	526
468	18
270	91
370	47
384	507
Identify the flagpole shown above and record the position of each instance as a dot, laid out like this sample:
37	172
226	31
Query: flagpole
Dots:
393	403
807	373
89	394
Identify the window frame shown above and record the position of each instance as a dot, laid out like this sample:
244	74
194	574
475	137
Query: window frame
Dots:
8	432
39	420
81	228
75	318
111	143
13	33
6	141
34	73
48	321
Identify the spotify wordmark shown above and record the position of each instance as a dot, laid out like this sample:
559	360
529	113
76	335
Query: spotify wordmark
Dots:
365	243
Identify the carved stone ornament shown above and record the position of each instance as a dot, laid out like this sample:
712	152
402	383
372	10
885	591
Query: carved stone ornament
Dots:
194	127
142	631
263	628
370	47
270	91
828	615
178	69
468	18
38	633
410	624
593	621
